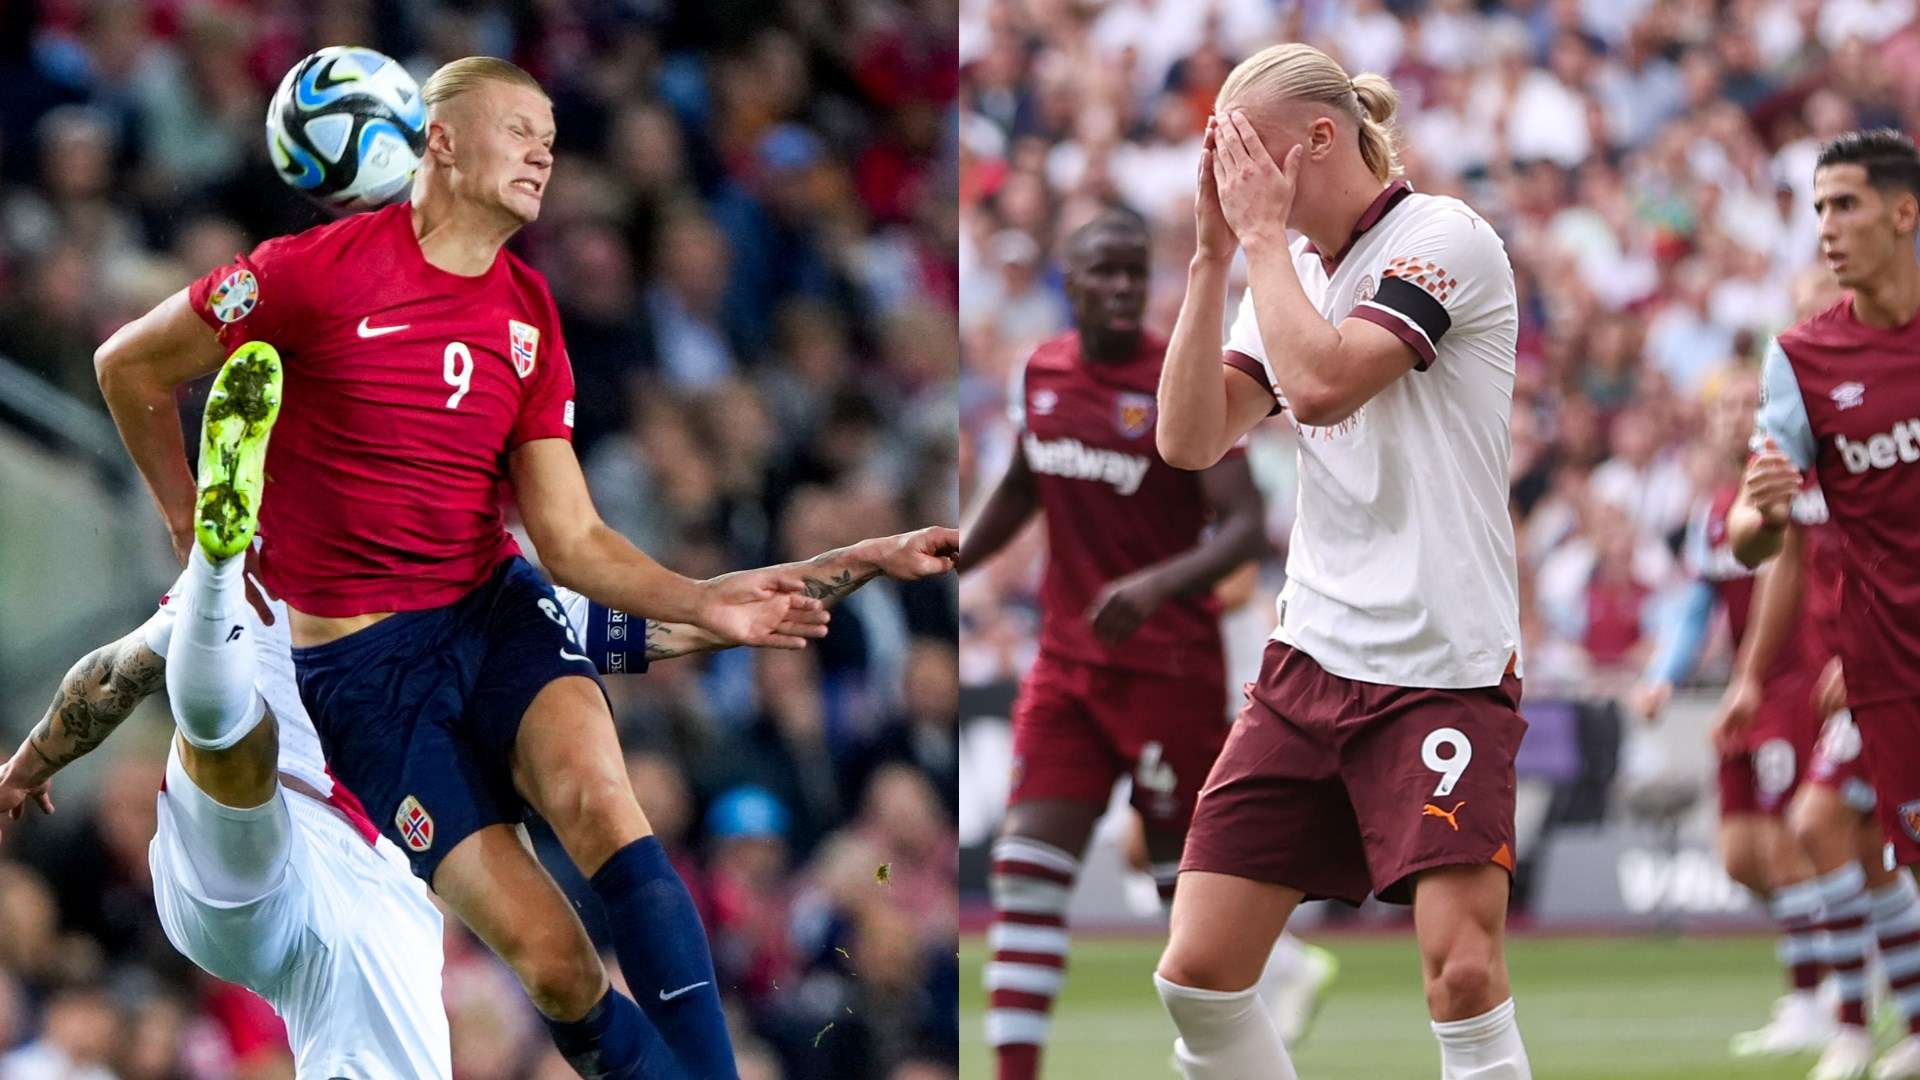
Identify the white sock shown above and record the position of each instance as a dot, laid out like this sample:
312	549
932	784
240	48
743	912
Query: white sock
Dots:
210	660
1484	1047
1224	1035
1286	963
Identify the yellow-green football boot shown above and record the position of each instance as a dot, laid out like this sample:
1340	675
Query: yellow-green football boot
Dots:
241	410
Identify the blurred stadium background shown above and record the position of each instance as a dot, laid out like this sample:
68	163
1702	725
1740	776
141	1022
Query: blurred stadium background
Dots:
751	235
1649	167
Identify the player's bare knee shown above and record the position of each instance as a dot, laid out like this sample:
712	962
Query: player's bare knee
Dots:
1810	822
1185	967
1744	866
1464	985
563	978
596	817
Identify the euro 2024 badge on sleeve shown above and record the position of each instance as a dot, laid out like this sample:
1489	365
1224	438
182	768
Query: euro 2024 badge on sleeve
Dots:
235	296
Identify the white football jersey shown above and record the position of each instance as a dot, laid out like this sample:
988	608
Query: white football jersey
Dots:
1401	568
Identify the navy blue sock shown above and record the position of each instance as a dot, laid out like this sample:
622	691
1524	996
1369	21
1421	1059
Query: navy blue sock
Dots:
614	1041
663	951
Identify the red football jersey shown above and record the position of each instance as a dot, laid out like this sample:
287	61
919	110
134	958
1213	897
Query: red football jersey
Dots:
1112	507
1861	390
406	386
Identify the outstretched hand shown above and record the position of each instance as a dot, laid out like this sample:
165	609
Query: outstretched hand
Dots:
14	796
922	553
767	608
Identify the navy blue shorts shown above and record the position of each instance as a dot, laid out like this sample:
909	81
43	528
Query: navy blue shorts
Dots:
418	712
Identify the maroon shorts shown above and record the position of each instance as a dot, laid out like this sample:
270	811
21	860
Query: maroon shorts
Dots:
1079	727
1838	765
1340	788
1762	778
1890	746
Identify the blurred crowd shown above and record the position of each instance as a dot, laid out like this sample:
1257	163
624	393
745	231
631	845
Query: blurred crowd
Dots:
1649	166
751	235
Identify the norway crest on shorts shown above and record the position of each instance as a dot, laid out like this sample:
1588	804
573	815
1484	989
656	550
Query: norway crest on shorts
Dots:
414	823
1910	818
525	341
1133	414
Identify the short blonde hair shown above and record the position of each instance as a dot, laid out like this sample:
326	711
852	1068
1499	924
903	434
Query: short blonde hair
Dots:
456	77
1296	72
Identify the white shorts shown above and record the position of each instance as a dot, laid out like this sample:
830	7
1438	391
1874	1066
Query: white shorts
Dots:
346	948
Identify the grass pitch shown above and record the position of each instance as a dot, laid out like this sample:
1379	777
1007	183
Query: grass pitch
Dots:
1591	1008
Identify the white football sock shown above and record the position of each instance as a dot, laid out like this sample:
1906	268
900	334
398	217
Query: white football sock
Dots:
210	660
1286	963
1224	1035
1484	1047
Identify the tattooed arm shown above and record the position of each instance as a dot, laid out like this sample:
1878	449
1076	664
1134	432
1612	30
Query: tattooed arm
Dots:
98	693
830	578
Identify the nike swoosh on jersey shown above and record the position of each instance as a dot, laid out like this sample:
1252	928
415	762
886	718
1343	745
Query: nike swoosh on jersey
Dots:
664	996
376	331
565	655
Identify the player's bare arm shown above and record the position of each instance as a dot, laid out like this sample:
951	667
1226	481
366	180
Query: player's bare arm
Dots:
830	577
1325	372
1776	609
1000	516
138	368
583	553
1205	406
1757	522
1239	535
98	692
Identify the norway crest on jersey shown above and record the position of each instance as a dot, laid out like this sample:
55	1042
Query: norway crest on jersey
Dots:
525	342
414	823
1133	414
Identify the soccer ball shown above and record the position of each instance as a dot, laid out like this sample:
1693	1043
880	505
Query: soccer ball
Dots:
347	128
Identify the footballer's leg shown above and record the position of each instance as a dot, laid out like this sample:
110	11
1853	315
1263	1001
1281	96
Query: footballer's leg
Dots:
1431	777
1065	764
566	762
1459	916
1221	931
223	775
1035	862
1273	824
1825	830
497	887
1799	1021
1184	735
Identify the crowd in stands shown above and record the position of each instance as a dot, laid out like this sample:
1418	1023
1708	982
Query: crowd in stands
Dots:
1649	166
751	234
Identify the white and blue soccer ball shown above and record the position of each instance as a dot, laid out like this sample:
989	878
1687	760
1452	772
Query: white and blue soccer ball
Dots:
347	128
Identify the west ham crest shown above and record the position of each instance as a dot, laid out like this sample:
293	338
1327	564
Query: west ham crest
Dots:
1133	414
1910	818
525	341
